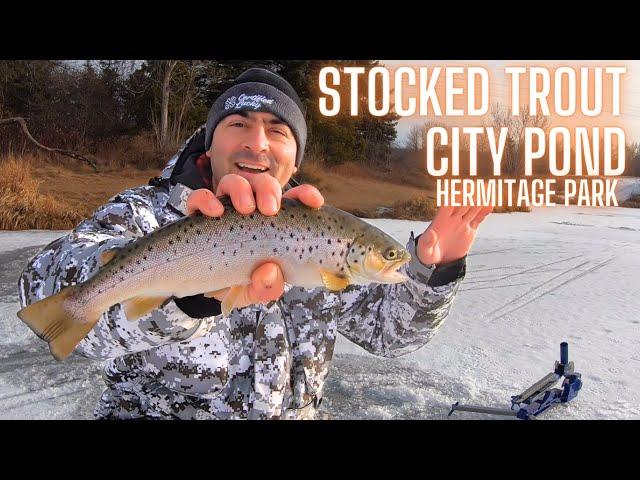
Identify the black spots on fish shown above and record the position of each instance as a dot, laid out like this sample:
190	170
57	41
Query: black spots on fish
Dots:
304	215
144	257
353	250
231	228
135	247
304	238
355	261
137	262
198	231
215	245
175	252
370	248
217	219
234	252
281	239
300	257
178	238
226	264
222	252
254	237
275	250
187	240
322	233
342	269
287	248
329	227
168	259
329	242
185	230
241	227
295	250
341	227
170	242
333	254
341	252
262	223
251	216
292	216
320	261
308	229
251	252
149	248
210	267
338	241
273	225
121	267
310	249
122	279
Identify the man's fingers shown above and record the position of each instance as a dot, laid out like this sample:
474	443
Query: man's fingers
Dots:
268	193
484	212
203	200
240	191
307	194
267	283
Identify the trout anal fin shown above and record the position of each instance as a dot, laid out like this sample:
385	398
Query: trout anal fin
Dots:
136	307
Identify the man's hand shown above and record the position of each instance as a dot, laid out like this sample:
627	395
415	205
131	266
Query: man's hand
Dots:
450	235
263	191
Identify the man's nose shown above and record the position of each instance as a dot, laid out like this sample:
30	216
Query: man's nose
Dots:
257	140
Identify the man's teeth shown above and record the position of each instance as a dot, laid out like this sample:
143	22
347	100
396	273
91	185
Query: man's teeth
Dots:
253	167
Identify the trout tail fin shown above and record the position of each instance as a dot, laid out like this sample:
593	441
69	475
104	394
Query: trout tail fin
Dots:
51	322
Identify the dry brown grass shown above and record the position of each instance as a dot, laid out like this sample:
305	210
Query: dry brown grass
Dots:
23	206
420	208
633	202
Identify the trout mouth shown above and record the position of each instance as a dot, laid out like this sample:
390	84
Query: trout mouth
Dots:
385	271
390	273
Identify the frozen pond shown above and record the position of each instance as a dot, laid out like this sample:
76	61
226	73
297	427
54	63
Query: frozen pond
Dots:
533	281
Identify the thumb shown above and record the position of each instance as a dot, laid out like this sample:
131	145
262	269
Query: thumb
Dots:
267	283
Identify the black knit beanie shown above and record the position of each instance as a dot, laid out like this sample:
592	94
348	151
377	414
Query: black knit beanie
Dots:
260	90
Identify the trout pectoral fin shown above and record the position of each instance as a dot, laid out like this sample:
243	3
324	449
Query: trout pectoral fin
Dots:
236	294
333	281
107	256
136	307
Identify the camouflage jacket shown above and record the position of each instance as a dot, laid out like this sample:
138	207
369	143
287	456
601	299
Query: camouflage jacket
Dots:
263	361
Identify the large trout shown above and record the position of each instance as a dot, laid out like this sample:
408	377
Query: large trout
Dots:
199	254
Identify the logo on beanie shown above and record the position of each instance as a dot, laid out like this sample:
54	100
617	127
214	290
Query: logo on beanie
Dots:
244	101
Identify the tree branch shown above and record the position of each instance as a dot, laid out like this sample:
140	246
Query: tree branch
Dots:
69	153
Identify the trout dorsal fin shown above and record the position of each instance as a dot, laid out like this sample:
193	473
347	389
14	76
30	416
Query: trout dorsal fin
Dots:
108	255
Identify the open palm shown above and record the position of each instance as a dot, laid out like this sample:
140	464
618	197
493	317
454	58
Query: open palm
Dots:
451	234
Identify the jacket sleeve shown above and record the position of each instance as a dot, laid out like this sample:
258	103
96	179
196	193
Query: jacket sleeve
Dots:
387	320
73	259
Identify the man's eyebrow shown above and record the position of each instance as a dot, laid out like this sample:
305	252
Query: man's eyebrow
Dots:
277	121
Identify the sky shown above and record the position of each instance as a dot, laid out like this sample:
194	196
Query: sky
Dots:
500	88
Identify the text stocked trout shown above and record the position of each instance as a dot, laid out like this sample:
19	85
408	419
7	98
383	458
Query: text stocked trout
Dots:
200	254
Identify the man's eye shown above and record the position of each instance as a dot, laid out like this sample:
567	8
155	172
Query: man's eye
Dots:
237	124
280	132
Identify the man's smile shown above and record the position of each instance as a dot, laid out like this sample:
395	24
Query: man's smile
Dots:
251	167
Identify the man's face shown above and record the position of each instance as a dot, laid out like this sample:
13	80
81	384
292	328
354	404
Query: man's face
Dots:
250	143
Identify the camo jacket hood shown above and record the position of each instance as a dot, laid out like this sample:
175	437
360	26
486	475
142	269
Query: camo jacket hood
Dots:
261	362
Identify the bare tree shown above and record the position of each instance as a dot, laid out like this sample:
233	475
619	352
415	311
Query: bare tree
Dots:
69	153
415	138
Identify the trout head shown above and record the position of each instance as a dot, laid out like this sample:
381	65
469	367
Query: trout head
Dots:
375	257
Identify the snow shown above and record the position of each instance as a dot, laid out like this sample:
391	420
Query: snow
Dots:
533	280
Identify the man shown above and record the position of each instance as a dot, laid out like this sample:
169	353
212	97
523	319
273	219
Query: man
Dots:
270	357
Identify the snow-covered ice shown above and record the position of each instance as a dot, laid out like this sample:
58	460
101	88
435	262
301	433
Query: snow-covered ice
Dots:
533	280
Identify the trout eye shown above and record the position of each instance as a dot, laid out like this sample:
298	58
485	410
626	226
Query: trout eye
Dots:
390	254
